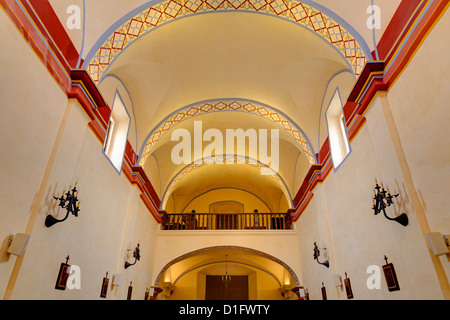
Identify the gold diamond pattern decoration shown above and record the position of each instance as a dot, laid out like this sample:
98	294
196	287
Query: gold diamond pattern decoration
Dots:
222	106
166	11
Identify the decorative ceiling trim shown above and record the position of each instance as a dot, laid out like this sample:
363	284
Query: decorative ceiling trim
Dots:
315	18
225	160
222	105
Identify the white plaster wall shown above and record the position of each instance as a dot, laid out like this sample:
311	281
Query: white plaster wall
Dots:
112	219
32	106
37	119
140	227
419	102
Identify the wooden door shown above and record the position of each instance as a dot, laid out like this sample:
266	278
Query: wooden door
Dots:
237	288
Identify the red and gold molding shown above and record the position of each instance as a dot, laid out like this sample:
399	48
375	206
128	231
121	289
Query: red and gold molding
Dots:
35	34
43	31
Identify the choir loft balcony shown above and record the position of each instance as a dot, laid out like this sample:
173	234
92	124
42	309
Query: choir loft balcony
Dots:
227	221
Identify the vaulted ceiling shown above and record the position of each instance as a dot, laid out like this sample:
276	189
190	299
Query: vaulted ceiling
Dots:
258	66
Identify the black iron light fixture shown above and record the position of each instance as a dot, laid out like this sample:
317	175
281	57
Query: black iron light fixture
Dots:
226	279
136	256
317	254
67	201
382	199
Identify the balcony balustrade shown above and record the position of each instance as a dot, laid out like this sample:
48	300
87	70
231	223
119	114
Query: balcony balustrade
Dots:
227	221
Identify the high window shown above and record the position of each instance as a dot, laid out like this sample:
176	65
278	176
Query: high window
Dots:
337	131
117	133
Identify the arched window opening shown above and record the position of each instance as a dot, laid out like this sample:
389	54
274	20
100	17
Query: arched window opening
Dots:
117	133
337	131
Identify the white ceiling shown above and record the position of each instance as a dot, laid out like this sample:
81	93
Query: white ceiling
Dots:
224	56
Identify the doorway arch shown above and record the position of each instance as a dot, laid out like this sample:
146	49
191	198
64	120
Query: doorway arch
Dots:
246	250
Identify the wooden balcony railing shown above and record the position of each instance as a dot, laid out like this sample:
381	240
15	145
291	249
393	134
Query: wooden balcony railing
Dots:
227	221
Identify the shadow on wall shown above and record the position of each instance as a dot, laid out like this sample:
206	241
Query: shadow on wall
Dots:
402	200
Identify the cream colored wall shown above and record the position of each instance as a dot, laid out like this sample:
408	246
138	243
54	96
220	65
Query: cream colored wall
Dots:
112	219
140	227
250	201
50	147
301	168
32	107
422	118
154	175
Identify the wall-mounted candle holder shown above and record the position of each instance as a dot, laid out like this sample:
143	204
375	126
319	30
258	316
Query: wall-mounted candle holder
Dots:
383	199
317	254
136	256
67	201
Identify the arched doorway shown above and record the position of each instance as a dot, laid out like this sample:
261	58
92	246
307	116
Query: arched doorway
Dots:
199	275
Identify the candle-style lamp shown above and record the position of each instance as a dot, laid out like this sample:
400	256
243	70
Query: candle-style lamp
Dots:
382	199
69	202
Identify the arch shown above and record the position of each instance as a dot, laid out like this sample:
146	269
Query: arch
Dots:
223	105
307	14
323	99
230	262
227	201
239	248
226	159
112	75
222	188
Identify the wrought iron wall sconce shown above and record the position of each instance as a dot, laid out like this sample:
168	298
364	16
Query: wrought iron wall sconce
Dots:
383	199
136	256
68	202
317	254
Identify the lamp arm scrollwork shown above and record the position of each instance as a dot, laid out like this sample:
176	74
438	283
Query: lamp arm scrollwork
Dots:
69	202
317	254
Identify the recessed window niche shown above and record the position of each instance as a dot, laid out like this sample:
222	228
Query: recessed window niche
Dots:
117	133
337	131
